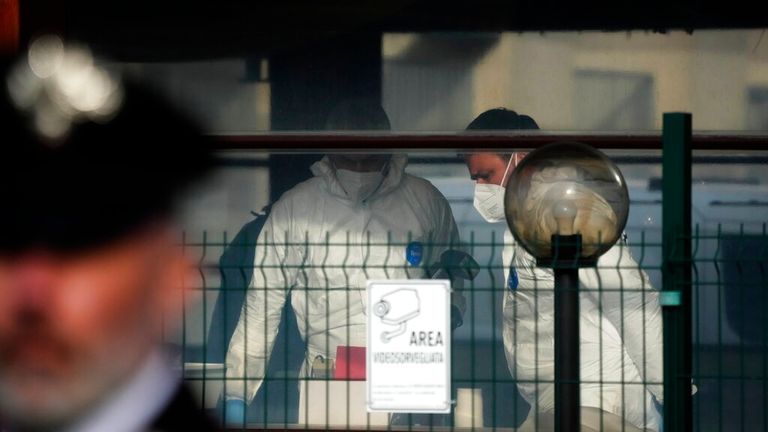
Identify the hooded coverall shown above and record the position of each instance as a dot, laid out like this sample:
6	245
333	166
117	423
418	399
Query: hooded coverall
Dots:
620	331
320	247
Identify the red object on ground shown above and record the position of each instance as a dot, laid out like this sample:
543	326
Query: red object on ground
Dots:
350	363
9	26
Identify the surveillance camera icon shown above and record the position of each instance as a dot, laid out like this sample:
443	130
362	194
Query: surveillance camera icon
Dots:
381	308
396	308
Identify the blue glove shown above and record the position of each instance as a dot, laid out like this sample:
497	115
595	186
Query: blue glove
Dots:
235	412
659	413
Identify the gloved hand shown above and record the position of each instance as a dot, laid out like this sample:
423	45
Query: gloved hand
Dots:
235	412
456	319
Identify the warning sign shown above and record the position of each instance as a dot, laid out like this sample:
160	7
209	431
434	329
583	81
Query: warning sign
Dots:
409	345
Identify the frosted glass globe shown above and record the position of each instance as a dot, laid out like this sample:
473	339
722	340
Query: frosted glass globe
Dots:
566	188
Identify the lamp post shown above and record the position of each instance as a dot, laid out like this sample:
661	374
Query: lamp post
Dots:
566	204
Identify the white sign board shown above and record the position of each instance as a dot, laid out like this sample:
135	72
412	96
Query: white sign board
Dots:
409	346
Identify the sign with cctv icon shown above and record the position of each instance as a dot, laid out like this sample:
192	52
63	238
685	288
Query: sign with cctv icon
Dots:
408	356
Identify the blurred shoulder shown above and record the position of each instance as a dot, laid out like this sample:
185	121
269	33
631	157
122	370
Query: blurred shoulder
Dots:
182	414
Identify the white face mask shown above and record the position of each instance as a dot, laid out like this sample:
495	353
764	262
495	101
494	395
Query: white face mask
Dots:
360	186
489	199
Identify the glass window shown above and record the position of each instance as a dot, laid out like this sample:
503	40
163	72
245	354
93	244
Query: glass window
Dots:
613	100
276	114
441	81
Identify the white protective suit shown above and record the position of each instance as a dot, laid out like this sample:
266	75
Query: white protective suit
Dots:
319	247
621	334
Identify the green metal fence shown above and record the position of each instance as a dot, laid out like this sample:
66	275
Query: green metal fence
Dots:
709	284
478	361
728	370
729	361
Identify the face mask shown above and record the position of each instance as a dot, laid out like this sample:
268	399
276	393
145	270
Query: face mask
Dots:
489	199
360	186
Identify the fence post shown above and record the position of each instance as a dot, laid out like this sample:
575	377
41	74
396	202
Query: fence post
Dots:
676	298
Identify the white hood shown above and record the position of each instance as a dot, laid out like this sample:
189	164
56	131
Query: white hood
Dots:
392	177
318	248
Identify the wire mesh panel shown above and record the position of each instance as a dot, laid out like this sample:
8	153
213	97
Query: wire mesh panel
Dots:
620	343
730	338
297	296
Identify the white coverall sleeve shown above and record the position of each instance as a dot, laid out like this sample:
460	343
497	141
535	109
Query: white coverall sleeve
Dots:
631	304
276	266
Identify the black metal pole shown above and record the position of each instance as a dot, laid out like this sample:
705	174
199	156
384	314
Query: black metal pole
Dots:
566	268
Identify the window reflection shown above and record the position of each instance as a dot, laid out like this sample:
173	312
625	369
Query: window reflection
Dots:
440	82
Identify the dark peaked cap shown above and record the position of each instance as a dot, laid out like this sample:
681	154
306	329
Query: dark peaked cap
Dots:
101	180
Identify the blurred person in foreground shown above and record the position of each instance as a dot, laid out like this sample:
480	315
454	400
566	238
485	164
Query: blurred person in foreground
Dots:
621	332
360	217
91	270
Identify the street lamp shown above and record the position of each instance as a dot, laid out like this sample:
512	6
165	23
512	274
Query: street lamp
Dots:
566	204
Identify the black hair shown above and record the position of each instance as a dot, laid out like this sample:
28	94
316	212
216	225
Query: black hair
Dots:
502	119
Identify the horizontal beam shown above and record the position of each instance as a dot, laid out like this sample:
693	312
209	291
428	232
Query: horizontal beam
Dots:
141	30
320	142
